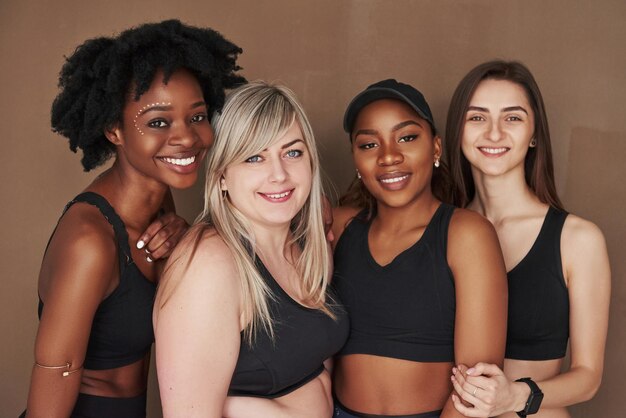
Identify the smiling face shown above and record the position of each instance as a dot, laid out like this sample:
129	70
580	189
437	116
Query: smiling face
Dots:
498	128
166	133
271	187
394	151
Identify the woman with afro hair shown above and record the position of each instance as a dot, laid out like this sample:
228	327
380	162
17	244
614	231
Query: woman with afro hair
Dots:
145	98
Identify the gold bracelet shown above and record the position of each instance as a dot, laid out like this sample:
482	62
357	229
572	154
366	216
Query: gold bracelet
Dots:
67	366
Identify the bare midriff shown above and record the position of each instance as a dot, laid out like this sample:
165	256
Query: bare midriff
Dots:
388	386
122	382
538	371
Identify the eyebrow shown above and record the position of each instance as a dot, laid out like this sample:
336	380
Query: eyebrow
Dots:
393	129
287	145
504	109
165	108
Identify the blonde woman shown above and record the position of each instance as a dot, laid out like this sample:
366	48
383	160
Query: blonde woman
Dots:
243	321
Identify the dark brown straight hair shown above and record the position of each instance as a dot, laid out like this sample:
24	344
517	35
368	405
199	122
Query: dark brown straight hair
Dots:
538	166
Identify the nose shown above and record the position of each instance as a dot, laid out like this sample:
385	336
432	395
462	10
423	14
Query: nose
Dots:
494	133
277	174
183	134
389	154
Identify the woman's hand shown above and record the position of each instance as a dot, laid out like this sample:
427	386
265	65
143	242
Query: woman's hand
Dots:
162	235
488	390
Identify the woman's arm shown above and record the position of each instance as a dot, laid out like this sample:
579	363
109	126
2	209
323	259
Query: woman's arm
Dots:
76	275
197	328
476	261
587	271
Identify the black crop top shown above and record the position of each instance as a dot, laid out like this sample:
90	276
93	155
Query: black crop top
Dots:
538	324
304	338
405	309
121	331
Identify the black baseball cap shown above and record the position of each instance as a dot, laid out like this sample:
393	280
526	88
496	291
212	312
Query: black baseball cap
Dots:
388	89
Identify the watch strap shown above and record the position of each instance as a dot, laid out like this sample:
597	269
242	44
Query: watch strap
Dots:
534	399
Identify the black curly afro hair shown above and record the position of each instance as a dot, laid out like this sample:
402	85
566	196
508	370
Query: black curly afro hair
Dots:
97	78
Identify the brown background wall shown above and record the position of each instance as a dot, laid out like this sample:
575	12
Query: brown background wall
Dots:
326	51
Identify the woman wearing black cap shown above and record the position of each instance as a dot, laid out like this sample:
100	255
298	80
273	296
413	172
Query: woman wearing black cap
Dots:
558	269
423	282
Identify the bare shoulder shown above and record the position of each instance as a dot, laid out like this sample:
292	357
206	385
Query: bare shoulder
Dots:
583	250
469	225
85	222
471	237
579	232
201	264
342	216
202	244
83	239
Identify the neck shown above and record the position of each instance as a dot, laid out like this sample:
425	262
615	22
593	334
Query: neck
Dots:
398	219
271	242
137	199
501	196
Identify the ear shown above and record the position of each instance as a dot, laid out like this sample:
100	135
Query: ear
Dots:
114	134
223	186
438	148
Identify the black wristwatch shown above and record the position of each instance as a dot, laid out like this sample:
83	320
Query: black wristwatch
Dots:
534	399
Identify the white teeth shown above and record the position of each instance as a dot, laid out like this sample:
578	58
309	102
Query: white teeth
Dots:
395	179
180	161
279	195
493	150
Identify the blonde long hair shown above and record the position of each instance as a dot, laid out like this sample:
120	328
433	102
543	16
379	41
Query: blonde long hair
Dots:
254	116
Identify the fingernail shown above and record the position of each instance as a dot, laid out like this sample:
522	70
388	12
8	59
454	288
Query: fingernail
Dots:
149	259
140	244
454	370
454	398
470	371
147	250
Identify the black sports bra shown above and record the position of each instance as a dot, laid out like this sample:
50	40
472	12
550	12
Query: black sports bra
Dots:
304	338
121	331
538	324
403	310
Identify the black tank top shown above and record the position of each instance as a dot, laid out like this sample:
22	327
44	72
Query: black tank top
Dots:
538	324
405	309
121	331
303	339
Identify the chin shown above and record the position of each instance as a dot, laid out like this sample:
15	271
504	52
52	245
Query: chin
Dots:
183	183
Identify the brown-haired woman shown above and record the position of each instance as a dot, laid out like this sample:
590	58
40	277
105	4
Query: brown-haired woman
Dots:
423	282
498	145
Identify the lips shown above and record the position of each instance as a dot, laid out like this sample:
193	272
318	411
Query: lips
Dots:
183	163
395	180
278	197
493	151
179	161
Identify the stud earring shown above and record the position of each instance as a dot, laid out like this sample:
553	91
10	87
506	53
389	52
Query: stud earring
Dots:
533	142
437	162
358	175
